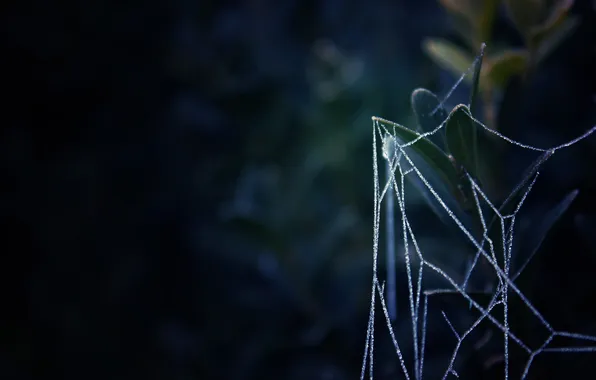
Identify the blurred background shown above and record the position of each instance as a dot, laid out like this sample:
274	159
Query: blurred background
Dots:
187	186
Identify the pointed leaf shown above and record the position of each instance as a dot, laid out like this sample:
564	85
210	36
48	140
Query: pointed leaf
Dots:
428	157
449	56
550	40
476	77
500	68
424	103
553	18
469	8
473	151
465	17
509	205
487	19
538	19
461	132
525	13
474	19
535	237
466	29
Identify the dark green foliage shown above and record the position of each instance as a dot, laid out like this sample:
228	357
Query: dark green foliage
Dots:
432	155
476	76
533	237
430	114
461	132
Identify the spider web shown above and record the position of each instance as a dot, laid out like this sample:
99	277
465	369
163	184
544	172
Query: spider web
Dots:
498	256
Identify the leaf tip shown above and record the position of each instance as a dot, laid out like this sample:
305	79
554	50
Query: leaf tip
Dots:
461	108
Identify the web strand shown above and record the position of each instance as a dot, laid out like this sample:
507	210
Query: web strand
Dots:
400	166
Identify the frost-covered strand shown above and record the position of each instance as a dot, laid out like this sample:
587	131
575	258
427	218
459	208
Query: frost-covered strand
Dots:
391	163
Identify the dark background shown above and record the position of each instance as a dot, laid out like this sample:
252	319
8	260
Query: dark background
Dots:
187	186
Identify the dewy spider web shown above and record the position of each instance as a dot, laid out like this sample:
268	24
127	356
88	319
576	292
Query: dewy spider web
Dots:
402	163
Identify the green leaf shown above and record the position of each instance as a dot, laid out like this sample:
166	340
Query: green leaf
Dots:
424	102
535	237
461	135
472	151
470	8
449	56
543	37
553	18
509	205
473	19
537	20
431	155
500	68
462	143
549	41
487	19
465	15
525	14
476	77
